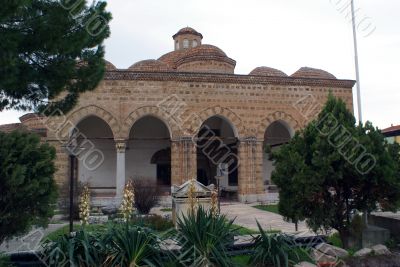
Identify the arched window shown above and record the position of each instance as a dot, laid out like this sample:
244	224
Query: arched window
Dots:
194	44
185	43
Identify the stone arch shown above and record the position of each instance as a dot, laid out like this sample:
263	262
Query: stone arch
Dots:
84	112
232	118
277	116
154	111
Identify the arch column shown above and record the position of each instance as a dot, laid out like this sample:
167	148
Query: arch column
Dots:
183	160
120	170
250	180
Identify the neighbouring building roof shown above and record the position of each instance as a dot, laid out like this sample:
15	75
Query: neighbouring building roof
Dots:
391	131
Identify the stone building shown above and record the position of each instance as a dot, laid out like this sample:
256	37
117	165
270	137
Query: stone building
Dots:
180	116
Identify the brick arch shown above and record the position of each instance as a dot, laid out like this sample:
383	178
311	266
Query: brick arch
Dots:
233	119
276	116
79	115
153	111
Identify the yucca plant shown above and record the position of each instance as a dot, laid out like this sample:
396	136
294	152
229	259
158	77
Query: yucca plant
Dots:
85	248
276	249
131	246
204	239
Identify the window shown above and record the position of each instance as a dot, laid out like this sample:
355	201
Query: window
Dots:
177	45
194	44
185	43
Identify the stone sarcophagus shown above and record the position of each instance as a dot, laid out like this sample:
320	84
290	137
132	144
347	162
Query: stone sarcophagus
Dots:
184	195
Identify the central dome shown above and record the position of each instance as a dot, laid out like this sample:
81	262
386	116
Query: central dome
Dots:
205	58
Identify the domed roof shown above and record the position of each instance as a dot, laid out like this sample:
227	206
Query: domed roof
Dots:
204	52
187	30
109	65
267	71
172	57
150	65
306	72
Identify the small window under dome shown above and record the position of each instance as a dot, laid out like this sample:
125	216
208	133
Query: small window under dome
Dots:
194	44
185	43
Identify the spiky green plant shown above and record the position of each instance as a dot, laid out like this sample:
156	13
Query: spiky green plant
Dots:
83	249
276	249
130	245
205	238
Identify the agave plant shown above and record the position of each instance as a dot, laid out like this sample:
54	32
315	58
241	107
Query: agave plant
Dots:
204	238
83	249
131	246
276	249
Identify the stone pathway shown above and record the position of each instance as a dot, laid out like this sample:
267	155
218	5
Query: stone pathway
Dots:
29	241
246	216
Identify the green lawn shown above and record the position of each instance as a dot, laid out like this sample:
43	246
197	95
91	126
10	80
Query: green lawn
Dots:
166	210
270	208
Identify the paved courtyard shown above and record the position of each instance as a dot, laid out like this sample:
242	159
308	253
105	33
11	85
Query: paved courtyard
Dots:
246	216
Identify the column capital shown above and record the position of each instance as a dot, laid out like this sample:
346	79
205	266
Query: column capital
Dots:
120	145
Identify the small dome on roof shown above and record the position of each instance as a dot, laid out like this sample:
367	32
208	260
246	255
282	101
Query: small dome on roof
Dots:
150	65
187	30
306	72
109	65
267	71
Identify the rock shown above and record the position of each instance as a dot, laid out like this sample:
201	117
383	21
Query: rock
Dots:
109	210
319	256
332	250
98	219
381	250
363	252
305	264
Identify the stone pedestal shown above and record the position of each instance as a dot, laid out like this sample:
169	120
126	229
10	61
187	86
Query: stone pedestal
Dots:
180	200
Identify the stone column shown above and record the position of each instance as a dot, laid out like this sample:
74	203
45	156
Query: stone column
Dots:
183	160
120	174
251	185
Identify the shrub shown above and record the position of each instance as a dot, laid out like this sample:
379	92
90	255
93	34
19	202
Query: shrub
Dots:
27	188
276	250
155	222
205	239
146	195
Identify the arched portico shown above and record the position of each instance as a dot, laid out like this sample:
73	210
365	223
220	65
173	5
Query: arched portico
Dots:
217	142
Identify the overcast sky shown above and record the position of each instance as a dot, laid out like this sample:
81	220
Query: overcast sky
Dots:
284	34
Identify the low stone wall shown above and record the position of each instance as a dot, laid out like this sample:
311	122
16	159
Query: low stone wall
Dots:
392	224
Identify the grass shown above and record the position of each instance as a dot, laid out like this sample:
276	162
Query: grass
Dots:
270	208
243	230
166	210
65	230
241	260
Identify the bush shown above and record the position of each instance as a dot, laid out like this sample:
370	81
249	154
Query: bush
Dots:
155	222
146	195
276	250
27	188
205	239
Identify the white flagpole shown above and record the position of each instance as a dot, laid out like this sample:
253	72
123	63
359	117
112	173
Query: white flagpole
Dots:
356	62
